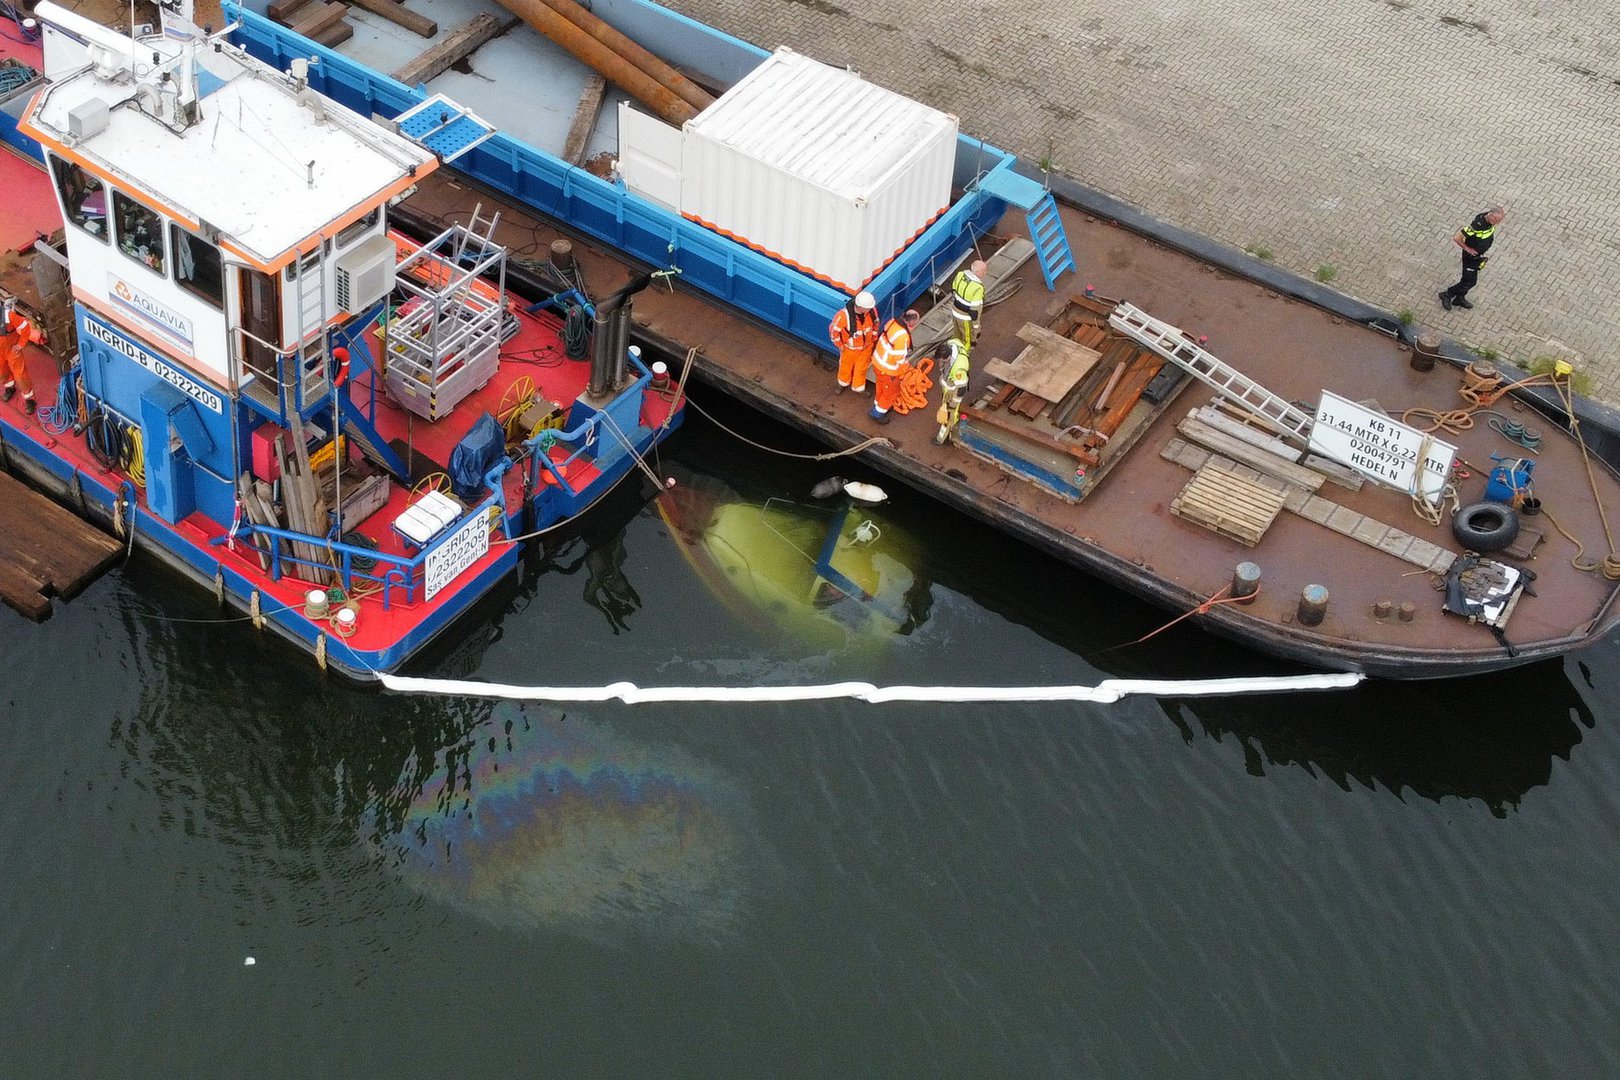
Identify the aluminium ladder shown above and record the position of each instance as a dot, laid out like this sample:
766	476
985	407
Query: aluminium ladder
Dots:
1169	342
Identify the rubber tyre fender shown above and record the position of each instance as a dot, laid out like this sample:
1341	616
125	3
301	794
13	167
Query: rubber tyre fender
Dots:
1485	526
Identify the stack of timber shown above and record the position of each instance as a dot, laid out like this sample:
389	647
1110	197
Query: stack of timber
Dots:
303	508
326	22
1078	389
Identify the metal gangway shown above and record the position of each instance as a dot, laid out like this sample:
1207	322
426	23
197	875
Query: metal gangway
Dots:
1174	345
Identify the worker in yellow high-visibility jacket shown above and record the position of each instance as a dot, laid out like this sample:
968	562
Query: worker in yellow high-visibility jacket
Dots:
967	301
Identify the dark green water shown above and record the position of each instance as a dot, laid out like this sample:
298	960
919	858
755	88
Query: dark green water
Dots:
1393	881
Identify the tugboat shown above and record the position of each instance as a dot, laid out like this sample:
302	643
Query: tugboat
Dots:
347	434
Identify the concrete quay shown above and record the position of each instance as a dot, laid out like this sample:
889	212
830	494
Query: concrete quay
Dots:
1342	142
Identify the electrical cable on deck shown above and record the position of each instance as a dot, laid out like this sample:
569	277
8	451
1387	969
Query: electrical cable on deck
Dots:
875	440
1105	692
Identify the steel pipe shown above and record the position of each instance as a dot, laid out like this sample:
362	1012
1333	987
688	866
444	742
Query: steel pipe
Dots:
669	106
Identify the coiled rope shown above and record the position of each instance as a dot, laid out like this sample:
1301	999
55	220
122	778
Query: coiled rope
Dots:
914	386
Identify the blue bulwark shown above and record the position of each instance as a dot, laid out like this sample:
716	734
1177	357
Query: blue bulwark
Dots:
778	295
1045	226
443	127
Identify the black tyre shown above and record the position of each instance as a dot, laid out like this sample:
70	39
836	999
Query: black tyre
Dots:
1485	526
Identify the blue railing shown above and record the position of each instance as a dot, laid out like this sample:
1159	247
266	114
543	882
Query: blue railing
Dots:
394	573
729	271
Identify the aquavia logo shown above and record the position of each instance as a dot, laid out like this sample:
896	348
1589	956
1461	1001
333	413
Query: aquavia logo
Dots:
170	324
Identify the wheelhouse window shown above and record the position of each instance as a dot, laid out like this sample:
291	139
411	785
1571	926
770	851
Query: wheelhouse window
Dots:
355	230
84	197
140	232
197	266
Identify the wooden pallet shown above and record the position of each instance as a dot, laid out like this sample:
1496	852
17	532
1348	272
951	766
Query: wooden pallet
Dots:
1225	502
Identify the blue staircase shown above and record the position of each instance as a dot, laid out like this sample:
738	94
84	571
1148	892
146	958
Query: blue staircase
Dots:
1045	225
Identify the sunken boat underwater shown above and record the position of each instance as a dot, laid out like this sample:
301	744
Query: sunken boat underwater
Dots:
342	432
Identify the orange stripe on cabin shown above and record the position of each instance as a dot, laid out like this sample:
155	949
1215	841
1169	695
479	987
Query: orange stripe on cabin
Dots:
834	282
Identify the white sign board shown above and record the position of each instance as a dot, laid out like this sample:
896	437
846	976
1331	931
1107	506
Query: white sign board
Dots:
1380	448
464	547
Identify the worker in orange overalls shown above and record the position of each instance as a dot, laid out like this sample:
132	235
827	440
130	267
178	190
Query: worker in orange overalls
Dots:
16	330
855	331
889	363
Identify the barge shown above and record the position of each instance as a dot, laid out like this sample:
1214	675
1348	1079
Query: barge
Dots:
1315	488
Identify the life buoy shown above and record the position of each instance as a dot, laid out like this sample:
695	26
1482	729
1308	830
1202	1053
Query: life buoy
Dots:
1485	526
341	375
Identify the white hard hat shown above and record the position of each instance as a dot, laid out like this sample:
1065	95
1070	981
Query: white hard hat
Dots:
865	301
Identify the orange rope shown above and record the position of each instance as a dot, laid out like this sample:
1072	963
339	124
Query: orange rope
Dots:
1217	597
914	386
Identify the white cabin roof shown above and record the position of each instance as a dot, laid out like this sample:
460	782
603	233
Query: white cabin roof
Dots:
266	165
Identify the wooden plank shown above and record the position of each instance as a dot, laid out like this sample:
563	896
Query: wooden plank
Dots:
1127	392
455	47
1022	431
1250	455
283	10
1041	337
1236	428
24	593
333	35
312	20
400	15
46	550
1045	370
585	114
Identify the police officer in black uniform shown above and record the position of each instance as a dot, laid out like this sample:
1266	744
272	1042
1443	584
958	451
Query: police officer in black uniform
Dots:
1475	240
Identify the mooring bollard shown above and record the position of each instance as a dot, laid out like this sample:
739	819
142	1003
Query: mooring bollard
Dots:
1383	609
1313	601
1407	611
562	254
1425	351
1245	583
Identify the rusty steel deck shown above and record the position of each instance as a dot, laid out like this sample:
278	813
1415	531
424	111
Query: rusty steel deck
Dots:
1124	528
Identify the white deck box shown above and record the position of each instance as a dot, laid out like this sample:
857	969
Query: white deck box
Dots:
816	167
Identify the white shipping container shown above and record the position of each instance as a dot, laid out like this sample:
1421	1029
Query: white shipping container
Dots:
817	167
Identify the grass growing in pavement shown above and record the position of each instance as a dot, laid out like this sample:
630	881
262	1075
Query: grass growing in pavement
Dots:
1326	273
1259	251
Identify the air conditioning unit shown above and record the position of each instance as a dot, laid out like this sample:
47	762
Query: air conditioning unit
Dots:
365	274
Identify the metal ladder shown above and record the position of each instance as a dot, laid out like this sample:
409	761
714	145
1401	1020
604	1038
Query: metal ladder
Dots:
1051	242
1169	342
311	317
1041	213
